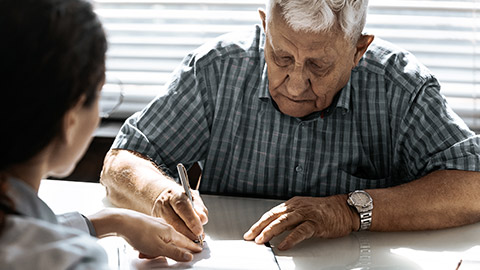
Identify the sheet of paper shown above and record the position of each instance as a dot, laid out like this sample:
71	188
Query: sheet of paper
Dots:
229	218
217	254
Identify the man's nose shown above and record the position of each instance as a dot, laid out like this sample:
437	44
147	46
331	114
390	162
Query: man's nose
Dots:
298	82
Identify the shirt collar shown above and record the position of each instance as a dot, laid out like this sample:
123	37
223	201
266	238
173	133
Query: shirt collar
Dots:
344	99
263	93
27	202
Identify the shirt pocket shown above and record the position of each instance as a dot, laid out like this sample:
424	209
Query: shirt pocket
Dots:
354	182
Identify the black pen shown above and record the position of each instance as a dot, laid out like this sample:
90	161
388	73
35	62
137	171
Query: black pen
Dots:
182	173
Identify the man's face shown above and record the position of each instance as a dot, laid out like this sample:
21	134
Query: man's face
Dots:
305	70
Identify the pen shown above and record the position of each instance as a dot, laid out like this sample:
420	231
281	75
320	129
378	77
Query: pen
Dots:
182	173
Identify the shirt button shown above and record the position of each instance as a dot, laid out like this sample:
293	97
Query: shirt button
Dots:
299	169
302	124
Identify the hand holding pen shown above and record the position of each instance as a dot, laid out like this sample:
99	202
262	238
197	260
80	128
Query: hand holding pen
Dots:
182	174
175	207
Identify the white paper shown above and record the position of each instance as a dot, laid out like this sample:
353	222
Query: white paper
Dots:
216	254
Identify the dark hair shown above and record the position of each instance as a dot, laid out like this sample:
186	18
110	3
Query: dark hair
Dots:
52	53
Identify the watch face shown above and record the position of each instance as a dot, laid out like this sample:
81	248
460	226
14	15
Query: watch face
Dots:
361	199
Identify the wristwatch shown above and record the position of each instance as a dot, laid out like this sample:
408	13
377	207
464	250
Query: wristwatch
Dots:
363	203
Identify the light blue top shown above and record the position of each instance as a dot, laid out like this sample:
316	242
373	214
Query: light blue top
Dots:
389	125
35	239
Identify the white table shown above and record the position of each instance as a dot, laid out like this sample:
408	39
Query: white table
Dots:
230	217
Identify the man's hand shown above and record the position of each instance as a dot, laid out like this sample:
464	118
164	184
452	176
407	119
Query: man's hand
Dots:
173	206
326	217
151	236
133	181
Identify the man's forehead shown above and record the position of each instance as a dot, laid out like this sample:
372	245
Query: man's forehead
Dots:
317	50
280	34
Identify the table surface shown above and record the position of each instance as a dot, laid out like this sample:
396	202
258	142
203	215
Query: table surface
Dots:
230	217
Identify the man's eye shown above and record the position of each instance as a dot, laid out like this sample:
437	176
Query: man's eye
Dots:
283	60
318	69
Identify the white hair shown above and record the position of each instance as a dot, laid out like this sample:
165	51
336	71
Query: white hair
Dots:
320	15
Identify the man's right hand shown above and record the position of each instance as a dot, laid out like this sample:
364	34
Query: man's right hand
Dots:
134	182
174	207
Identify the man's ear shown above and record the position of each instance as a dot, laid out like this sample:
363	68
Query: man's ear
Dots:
71	121
361	47
263	17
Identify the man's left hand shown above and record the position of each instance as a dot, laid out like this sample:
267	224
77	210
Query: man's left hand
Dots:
326	217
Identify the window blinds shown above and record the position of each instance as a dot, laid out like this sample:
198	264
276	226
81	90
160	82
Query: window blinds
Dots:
149	38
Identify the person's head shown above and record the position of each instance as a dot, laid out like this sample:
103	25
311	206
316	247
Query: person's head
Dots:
311	47
52	69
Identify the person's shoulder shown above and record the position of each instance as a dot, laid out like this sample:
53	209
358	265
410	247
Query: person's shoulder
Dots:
242	44
33	243
395	64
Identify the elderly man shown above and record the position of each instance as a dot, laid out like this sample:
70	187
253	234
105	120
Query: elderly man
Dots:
354	132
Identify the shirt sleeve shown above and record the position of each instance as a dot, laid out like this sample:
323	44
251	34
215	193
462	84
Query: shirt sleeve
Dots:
77	221
175	126
48	246
433	137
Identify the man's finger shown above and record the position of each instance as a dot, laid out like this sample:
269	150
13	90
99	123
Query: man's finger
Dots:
279	225
200	207
202	213
183	208
172	218
182	241
266	219
182	228
303	231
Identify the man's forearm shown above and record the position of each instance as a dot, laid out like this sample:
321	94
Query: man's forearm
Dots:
441	199
132	181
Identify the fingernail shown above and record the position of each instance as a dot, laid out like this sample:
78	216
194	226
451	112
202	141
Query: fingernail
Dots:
247	234
259	239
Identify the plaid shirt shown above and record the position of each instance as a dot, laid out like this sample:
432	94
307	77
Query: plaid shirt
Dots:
389	125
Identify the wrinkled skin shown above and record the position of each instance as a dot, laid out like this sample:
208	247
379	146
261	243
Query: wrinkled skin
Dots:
306	217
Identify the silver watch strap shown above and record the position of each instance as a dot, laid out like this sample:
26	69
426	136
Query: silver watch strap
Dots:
365	220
